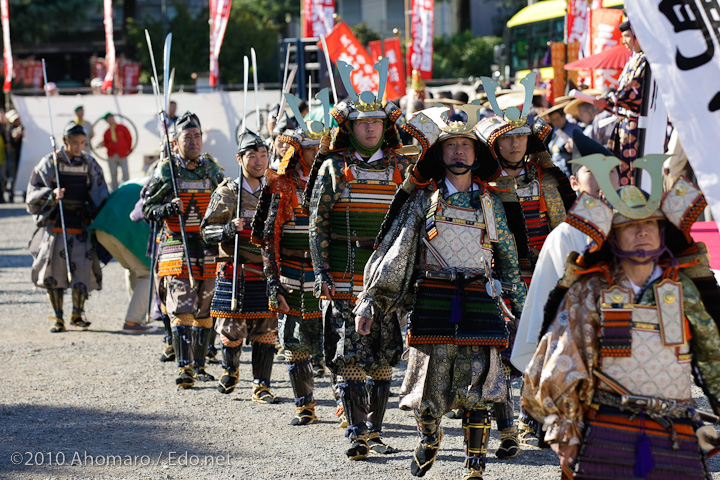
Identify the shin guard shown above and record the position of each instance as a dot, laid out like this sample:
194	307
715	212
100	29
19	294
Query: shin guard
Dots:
200	342
231	363
182	338
301	379
78	299
476	429
56	301
262	361
427	449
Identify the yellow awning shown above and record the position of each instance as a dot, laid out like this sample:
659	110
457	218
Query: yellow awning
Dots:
537	12
548	9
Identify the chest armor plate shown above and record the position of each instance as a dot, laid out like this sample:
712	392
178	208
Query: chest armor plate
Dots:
457	235
295	231
536	221
74	179
195	195
659	362
364	201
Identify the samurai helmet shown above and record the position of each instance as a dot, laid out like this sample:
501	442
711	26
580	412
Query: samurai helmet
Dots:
312	131
365	104
681	205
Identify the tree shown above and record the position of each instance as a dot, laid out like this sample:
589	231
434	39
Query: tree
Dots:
364	33
191	43
44	21
463	55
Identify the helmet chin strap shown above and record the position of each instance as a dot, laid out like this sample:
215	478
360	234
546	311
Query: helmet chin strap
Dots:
461	166
511	165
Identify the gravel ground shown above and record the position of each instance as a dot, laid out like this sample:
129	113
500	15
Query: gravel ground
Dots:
99	404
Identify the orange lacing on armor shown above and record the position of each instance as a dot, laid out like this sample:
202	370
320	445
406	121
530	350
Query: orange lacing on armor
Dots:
269	338
418	183
347	172
671	272
543	205
496	189
602	267
397	176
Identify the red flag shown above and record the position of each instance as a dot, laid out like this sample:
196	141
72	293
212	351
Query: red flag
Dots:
604	34
396	69
343	45
109	46
219	16
318	17
7	50
578	14
420	52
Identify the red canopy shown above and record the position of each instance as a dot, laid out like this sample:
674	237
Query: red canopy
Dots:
611	58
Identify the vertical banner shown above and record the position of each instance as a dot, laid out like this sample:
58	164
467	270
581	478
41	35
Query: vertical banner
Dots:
396	70
219	15
420	51
604	34
318	17
680	39
109	46
7	50
578	13
343	45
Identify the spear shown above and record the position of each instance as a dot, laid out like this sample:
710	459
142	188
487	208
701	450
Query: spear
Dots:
168	151
233	303
57	179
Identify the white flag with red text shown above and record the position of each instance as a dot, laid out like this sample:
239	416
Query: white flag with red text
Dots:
420	51
7	50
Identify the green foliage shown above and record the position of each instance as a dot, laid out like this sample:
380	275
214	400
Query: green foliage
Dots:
33	22
463	55
364	33
191	37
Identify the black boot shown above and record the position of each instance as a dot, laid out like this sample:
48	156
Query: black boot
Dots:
262	361
56	302
183	351
212	349
427	449
301	379
200	342
379	394
168	354
355	400
77	319
476	430
505	419
231	363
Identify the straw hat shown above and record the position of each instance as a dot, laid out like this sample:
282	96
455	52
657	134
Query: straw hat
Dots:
557	107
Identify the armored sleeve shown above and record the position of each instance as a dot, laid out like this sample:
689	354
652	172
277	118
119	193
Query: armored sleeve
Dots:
326	192
507	265
216	226
558	381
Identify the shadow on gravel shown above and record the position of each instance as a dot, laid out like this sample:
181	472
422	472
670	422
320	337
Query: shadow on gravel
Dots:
15	261
12	210
66	433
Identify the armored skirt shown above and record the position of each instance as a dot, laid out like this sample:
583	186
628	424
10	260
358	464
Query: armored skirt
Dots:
251	318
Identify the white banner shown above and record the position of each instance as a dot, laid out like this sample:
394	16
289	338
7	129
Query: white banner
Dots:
109	47
680	40
219	113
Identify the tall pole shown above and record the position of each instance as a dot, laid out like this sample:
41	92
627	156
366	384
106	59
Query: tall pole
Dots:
57	179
